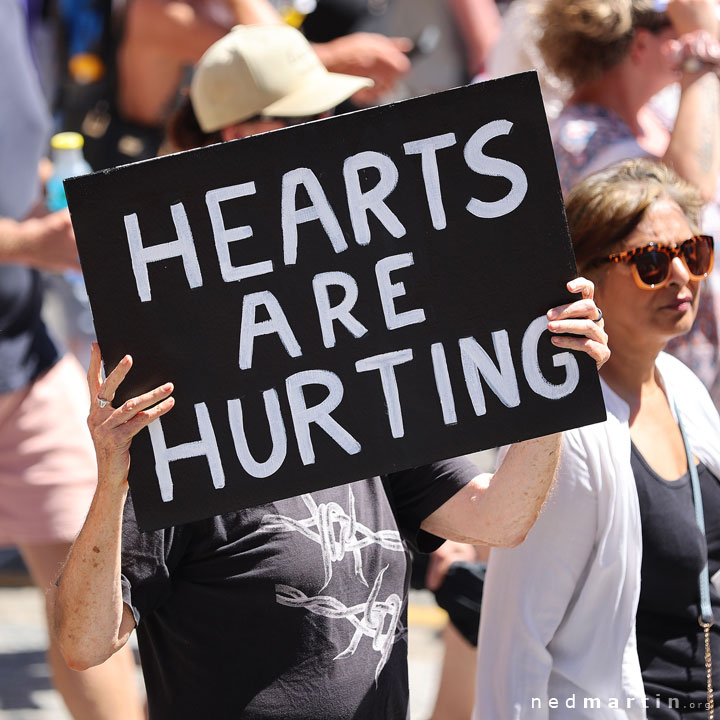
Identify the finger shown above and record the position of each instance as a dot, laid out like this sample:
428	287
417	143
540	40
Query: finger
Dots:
403	44
579	309
597	351
132	407
131	428
94	375
586	328
112	381
582	285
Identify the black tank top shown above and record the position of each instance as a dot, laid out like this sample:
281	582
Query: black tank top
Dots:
670	642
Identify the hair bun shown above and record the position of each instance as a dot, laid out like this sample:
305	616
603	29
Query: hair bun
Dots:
583	38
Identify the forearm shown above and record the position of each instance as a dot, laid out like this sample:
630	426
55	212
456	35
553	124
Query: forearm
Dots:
254	12
11	241
516	492
694	149
500	509
88	604
174	30
479	23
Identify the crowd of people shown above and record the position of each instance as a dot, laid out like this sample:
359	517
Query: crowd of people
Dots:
602	584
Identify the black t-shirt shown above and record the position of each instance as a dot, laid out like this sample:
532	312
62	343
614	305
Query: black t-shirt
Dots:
294	610
670	642
26	349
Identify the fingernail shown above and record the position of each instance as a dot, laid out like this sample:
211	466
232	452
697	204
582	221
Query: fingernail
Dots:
552	313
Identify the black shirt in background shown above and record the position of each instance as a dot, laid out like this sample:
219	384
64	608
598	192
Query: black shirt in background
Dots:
670	641
294	610
26	349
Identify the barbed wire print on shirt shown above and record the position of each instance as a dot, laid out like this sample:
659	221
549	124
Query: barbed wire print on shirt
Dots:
377	620
351	536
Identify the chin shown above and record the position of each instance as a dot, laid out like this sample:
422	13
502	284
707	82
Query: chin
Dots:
680	328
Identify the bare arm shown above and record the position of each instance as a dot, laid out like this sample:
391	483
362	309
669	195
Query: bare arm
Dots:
254	12
91	620
500	509
694	149
479	23
46	243
380	58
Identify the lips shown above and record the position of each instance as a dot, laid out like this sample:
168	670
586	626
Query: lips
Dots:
681	304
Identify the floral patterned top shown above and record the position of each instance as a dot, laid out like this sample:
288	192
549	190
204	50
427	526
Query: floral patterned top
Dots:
587	138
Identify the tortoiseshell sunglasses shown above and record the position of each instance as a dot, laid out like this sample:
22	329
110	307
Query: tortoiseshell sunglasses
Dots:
651	263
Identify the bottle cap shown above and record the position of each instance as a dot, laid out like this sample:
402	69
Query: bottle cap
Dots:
86	68
67	141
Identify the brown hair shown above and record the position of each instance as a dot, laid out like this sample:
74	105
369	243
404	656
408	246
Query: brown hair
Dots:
184	131
606	207
581	39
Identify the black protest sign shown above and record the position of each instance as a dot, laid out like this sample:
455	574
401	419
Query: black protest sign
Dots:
337	300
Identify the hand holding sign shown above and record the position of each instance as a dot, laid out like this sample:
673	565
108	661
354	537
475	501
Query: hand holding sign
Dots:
331	300
113	430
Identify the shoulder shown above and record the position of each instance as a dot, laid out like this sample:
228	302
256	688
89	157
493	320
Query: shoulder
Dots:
680	379
581	135
686	389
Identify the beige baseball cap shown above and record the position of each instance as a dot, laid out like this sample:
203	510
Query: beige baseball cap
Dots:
268	70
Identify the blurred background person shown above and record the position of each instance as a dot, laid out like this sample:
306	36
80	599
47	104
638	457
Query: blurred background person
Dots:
620	532
618	54
47	468
257	79
123	80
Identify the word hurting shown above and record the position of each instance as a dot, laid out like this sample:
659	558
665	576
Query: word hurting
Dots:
501	378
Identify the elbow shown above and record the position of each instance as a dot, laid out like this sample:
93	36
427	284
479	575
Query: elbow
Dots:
512	538
76	647
78	656
514	534
707	191
76	661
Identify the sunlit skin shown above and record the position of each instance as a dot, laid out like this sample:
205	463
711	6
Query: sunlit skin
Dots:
639	323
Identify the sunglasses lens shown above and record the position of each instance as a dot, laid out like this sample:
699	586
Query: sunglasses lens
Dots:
698	255
652	266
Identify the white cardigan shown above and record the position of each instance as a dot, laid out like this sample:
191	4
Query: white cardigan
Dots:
557	631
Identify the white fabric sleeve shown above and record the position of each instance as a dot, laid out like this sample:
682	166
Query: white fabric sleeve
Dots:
528	592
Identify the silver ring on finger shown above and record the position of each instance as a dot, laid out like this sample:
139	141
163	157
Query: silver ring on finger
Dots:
599	317
102	402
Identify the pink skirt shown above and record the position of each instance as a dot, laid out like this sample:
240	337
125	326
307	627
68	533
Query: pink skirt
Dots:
47	461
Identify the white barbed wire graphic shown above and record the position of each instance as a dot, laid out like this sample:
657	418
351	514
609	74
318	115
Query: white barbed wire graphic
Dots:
379	620
351	536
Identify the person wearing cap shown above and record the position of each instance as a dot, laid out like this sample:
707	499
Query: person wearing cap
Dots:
295	609
255	79
161	39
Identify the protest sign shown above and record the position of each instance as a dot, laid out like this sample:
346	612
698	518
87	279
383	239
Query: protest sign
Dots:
337	300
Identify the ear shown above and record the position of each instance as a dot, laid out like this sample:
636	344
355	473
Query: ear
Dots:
640	45
233	132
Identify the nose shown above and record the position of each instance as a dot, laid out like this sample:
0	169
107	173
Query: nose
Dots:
678	272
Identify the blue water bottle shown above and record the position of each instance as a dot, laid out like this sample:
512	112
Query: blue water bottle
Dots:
69	161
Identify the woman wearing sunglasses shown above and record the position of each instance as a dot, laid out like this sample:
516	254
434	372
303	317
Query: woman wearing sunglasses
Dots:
557	636
617	55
